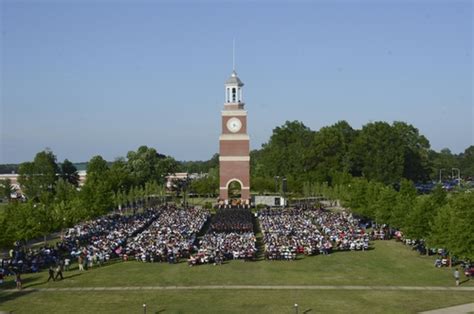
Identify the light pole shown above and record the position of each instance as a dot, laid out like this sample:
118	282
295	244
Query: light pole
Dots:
440	171
296	308
276	183
185	190
144	308
459	174
283	189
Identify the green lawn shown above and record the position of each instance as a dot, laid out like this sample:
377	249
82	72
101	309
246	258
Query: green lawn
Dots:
239	301
389	264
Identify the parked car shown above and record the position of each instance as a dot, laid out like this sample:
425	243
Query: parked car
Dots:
469	272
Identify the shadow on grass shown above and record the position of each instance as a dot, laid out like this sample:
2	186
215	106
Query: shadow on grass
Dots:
464	281
11	284
10	296
307	311
45	282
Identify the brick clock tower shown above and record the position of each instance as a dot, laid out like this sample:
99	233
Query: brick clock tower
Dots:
234	151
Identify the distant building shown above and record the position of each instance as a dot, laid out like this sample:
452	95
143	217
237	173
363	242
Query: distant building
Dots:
13	181
269	200
82	177
16	185
173	177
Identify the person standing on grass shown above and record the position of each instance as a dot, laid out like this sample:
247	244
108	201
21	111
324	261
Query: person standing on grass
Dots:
18	280
67	262
51	273
59	270
80	262
456	276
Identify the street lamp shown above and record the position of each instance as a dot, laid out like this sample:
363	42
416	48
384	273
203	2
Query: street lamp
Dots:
296	308
459	174
440	171
144	308
184	188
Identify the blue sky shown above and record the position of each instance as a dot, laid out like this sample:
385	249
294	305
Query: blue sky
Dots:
89	78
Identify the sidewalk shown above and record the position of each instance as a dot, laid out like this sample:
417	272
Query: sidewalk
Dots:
459	309
248	287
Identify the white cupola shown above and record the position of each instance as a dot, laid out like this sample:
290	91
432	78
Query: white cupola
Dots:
233	89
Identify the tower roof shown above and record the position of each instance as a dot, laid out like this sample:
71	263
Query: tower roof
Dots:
234	80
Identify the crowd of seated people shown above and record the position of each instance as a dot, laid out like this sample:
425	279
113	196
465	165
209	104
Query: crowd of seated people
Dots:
91	242
97	241
230	236
168	234
289	232
383	232
341	229
170	237
25	260
232	219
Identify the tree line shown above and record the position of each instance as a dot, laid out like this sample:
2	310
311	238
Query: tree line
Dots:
379	151
443	220
382	152
54	201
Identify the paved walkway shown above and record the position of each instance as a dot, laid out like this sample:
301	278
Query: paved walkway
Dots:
247	287
459	309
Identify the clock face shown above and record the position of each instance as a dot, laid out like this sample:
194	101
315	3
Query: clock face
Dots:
234	125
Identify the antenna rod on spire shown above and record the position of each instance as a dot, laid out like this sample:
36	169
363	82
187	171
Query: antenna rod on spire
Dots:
233	54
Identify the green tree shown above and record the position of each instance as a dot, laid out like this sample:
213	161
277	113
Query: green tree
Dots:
6	189
443	162
96	194
207	185
97	169
441	228
286	153
69	172
405	201
384	204
144	165
466	162
357	200
377	153
419	221
372	200
416	166
39	177
329	151
119	175
461	241
65	191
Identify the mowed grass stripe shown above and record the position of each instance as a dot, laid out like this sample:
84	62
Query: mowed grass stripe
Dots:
232	301
237	287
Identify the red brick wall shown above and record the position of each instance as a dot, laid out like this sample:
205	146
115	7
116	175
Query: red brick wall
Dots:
239	148
238	170
234	148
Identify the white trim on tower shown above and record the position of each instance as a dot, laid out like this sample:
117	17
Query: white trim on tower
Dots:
234	158
234	137
240	113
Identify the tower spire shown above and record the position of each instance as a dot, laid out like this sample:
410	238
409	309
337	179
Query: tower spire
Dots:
233	54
